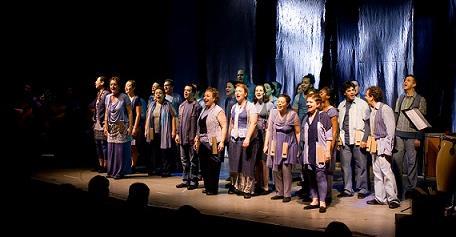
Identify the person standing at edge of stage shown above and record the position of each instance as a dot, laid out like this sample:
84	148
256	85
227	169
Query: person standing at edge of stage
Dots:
118	127
408	138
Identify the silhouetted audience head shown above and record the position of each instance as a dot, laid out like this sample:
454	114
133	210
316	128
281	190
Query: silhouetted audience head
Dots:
338	229
99	187
67	190
138	195
68	198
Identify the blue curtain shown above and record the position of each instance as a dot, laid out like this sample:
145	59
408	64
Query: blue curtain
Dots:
385	52
230	41
375	44
299	41
452	39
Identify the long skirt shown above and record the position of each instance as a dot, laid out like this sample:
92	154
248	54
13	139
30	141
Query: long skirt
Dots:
119	159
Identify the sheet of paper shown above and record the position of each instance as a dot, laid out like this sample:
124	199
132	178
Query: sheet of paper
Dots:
417	118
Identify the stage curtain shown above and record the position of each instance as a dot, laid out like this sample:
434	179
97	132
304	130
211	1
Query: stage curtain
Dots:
230	41
299	41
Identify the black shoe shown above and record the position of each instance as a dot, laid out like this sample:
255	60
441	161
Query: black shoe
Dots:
276	197
374	202
118	177
344	194
247	195
309	207
322	209
211	193
192	186
264	192
362	195
394	204
182	185
204	191
286	199
231	190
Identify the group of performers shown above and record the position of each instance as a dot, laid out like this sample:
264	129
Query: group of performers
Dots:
263	131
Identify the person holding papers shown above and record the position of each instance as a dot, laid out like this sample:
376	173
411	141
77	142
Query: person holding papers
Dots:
353	130
408	137
380	144
281	146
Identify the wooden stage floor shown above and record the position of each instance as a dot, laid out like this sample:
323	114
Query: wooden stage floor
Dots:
362	219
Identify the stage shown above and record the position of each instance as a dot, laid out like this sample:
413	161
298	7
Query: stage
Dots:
362	219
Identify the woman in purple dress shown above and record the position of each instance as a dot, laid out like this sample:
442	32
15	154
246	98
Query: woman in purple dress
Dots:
316	137
118	127
263	107
281	145
326	95
243	143
136	133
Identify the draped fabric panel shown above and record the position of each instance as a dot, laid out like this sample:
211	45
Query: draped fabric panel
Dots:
230	41
385	51
452	39
375	45
299	41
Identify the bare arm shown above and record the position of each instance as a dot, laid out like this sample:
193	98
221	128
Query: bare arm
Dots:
335	133
137	120
268	133
105	127
173	126
297	128
130	118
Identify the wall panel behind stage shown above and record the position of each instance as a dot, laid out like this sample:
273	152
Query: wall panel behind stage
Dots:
299	41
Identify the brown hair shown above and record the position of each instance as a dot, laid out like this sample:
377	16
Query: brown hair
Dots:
214	92
243	86
315	96
376	92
